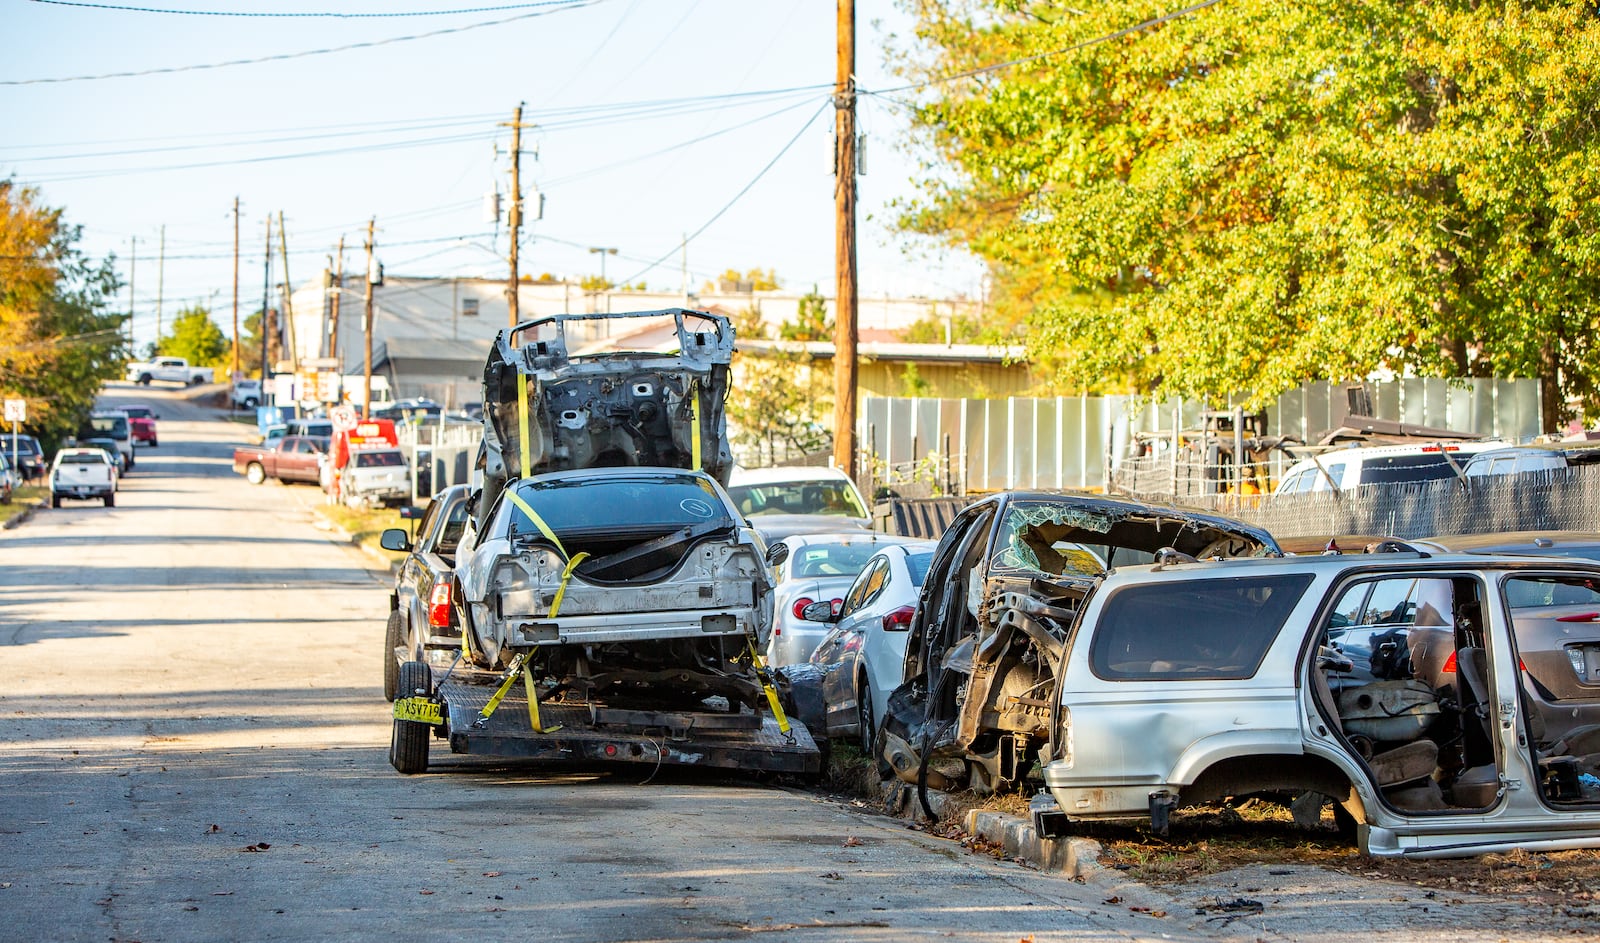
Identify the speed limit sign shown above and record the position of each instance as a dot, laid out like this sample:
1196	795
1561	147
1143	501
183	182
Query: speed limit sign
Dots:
344	417
16	410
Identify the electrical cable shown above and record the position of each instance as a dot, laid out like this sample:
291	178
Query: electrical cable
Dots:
736	197
280	57
572	75
298	15
998	66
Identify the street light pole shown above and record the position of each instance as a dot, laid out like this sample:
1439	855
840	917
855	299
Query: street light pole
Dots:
604	251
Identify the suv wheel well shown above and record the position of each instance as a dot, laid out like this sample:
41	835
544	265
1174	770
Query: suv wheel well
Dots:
1280	773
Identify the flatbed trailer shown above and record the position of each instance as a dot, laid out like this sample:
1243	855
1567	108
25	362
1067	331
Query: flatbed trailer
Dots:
741	740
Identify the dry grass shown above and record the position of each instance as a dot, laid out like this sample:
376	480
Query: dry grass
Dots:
365	525
22	500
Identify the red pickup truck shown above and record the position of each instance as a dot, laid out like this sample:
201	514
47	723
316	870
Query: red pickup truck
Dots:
293	458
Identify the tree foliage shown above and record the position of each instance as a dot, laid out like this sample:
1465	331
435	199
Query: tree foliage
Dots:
57	341
811	321
1260	194
197	339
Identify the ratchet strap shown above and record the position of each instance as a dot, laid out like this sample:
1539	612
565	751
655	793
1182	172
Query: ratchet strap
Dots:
533	702
500	692
694	421
765	678
525	447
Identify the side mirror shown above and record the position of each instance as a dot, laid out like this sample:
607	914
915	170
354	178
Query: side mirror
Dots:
819	611
395	539
778	553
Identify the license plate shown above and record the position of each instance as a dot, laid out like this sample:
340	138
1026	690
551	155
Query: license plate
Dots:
419	710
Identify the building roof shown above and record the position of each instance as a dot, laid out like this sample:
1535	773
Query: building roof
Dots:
873	350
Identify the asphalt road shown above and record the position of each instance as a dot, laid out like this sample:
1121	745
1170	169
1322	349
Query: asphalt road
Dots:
197	751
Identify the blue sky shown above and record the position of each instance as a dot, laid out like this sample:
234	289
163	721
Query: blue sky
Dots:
650	113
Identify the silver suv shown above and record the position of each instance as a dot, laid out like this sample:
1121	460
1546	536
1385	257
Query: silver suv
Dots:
1186	682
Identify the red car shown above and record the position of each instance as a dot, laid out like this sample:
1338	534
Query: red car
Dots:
142	424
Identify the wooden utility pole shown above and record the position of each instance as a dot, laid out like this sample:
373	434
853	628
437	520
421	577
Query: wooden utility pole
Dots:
514	217
366	386
266	298
133	267
161	279
235	374
844	199
288	302
333	319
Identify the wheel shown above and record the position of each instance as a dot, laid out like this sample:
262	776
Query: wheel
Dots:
251	402
392	638
110	500
353	501
254	473
55	500
144	379
408	747
155	443
195	381
866	730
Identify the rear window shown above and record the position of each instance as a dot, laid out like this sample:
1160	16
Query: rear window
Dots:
86	457
1193	630
114	426
918	564
379	459
1396	469
820	560
797	497
613	505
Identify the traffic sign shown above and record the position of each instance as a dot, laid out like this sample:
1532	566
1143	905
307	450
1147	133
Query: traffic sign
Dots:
344	417
16	410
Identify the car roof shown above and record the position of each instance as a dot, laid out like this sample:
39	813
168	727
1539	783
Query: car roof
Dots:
1516	542
798	474
1411	560
857	537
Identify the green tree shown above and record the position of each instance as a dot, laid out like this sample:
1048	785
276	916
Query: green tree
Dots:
780	398
197	339
58	343
759	280
1256	195
811	322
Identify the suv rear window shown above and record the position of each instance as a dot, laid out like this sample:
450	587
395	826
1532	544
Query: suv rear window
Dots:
1193	630
1392	469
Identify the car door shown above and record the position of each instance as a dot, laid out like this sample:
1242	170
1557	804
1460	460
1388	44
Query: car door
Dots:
840	649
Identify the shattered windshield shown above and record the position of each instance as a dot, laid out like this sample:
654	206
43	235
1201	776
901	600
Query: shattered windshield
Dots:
1032	538
1082	537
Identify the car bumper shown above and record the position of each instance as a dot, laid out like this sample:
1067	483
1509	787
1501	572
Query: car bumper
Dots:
628	627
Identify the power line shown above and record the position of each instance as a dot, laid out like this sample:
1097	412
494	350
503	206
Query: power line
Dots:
370	44
737	196
301	15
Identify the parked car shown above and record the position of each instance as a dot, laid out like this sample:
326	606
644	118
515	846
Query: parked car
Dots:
9	480
294	458
112	424
246	394
780	502
810	568
319	428
108	446
1189	681
375	477
1347	468
864	655
1528	458
83	474
30	461
423	624
142	422
993	617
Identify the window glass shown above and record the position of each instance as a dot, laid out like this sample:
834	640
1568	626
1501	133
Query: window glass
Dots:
1335	471
1030	540
1392	469
1347	611
917	564
612	505
856	597
797	497
114	426
379	459
1193	630
813	560
454	525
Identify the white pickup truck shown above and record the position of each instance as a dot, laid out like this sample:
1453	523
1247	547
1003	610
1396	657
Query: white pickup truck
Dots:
170	369
84	474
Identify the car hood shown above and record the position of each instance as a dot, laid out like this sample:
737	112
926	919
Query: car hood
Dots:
612	406
775	527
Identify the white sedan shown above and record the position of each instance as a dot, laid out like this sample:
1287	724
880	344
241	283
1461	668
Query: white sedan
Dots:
810	568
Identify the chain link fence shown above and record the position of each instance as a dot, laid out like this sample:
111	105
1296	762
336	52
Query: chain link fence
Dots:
441	454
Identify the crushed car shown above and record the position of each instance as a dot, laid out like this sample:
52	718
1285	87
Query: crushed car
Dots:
991	626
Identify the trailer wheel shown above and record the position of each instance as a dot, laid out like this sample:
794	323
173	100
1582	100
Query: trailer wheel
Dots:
391	667
408	747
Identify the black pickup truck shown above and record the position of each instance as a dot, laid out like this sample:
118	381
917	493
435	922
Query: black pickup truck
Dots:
423	624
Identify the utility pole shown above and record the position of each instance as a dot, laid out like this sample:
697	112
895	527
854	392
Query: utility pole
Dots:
235	288
266	297
133	267
604	251
844	199
366	387
288	290
333	318
514	220
161	278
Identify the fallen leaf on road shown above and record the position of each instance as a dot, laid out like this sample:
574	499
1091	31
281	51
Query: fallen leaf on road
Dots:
492	874
852	842
222	893
213	829
258	846
424	893
832	876
1112	900
191	908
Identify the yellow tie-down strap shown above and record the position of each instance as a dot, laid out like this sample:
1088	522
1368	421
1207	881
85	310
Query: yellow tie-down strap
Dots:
772	693
694	423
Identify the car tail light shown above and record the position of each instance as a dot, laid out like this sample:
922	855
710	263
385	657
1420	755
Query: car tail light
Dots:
1575	655
800	606
1449	664
439	606
898	620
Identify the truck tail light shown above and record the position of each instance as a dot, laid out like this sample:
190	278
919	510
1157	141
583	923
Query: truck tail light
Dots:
899	620
800	606
439	606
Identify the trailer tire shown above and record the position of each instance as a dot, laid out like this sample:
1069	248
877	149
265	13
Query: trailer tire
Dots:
408	747
391	667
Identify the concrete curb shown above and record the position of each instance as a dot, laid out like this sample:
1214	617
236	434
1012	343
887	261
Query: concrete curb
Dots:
17	520
1073	857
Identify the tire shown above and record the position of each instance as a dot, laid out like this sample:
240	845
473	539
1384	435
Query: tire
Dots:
392	637
251	403
254	473
144	379
55	500
195	381
155	443
866	730
110	500
408	747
